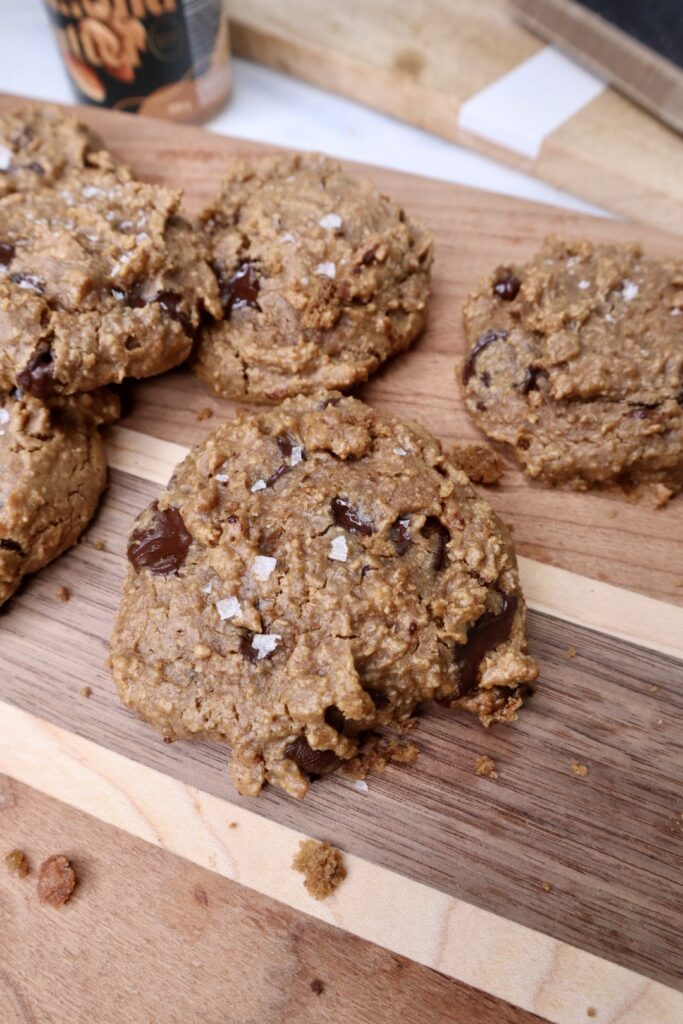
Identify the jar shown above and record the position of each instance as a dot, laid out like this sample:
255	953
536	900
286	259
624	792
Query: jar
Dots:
164	58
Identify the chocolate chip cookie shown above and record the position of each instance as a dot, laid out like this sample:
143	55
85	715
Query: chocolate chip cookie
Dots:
312	572
41	146
322	278
99	280
53	470
576	362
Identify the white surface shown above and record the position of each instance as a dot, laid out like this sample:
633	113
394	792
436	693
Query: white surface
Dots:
530	102
272	107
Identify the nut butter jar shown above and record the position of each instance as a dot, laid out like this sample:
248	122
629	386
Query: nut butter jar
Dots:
164	58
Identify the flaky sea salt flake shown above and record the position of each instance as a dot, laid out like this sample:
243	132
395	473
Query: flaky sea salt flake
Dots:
330	220
296	456
400	451
263	566
629	290
339	549
228	608
584	284
260	485
328	269
265	643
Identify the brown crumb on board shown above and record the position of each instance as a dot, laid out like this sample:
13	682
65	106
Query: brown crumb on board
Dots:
204	414
232	824
99	545
678	583
579	769
546	886
63	593
479	461
322	866
317	987
376	753
486	766
571	652
16	862
56	880
86	691
591	1012
652	687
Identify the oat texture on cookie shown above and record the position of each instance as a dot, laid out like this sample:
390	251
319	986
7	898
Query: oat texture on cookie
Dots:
575	361
100	279
312	572
322	278
53	470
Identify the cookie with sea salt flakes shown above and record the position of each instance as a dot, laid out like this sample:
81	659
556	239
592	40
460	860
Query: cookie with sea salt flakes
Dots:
311	572
576	362
322	278
53	469
40	147
99	281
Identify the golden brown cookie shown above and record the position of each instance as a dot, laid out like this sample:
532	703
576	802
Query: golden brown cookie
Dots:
322	279
576	361
312	572
53	469
99	280
40	147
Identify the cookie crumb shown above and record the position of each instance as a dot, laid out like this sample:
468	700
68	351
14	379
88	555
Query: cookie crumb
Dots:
56	880
479	461
376	753
322	866
486	766
86	691
317	987
591	1012
204	414
16	863
652	687
546	886
99	545
678	583
571	652
232	824
579	769
63	593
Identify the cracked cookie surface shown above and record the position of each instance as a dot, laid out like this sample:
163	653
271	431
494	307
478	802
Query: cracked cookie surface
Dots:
53	469
312	572
41	147
99	280
576	362
322	279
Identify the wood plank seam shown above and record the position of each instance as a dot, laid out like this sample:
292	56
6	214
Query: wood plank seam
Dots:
474	946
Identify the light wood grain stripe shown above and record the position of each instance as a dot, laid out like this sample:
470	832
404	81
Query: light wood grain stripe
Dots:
587	602
528	969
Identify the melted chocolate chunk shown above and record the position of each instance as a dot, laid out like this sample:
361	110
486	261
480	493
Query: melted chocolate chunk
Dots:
400	534
275	476
6	253
485	378
506	285
529	380
37	377
240	289
484	635
286	443
350	518
642	410
313	762
162	546
433	527
480	344
8	544
170	303
31	282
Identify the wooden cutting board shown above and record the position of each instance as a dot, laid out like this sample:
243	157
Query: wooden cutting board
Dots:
540	893
425	61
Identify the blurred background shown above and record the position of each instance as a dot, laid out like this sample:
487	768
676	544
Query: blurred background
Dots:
510	97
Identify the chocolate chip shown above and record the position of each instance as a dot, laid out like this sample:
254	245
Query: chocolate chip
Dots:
642	410
506	285
433	527
317	987
170	303
286	443
162	546
31	282
412	628
485	378
247	649
276	474
326	402
37	377
529	381
368	257
240	289
480	344
490	630
8	544
350	518
131	298
6	253
313	762
400	534
377	698
335	718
